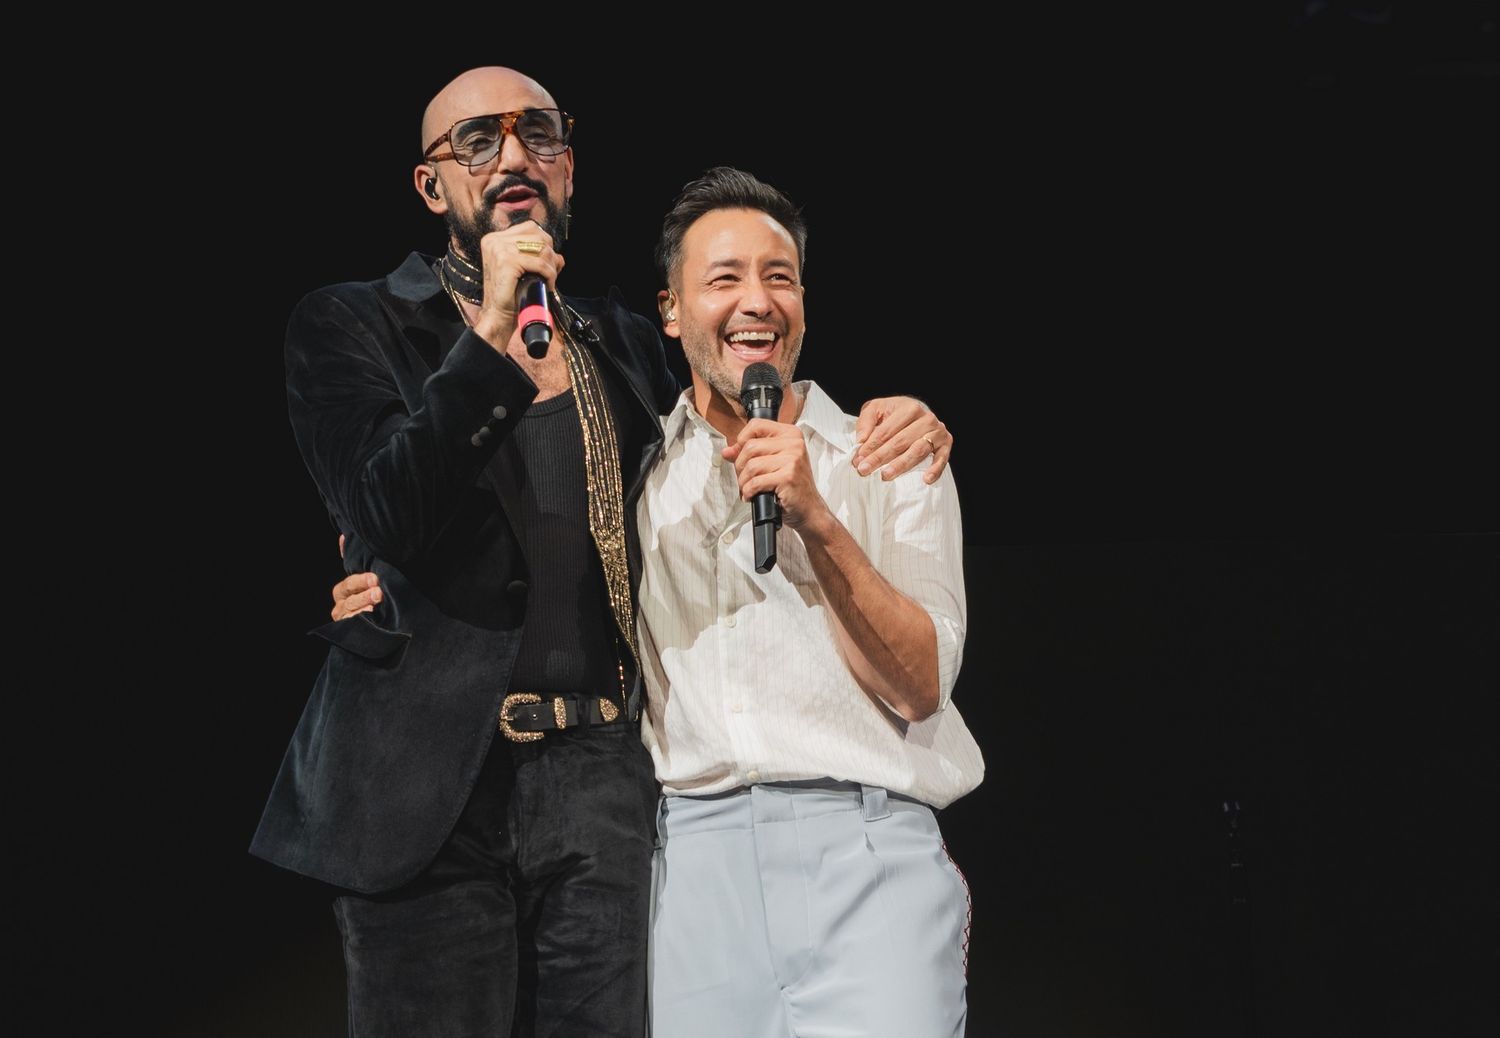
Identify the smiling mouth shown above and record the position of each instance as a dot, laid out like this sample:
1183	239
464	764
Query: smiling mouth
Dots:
753	346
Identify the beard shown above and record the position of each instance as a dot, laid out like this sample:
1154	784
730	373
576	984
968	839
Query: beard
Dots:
704	352
467	232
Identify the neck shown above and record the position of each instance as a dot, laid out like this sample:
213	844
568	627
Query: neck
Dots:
727	417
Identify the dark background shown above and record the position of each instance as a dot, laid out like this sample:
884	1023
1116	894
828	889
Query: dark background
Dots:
1216	310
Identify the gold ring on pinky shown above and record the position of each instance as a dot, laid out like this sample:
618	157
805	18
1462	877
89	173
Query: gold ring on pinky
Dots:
529	245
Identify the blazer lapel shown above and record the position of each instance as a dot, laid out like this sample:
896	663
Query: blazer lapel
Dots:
414	299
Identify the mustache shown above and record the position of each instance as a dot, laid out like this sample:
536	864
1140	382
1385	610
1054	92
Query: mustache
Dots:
515	180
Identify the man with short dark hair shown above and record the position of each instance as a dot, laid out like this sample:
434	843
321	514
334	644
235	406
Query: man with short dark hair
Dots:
798	719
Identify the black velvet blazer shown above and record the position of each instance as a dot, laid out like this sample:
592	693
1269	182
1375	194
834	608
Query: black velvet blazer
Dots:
399	410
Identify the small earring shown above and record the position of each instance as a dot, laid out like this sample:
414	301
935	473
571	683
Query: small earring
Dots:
669	316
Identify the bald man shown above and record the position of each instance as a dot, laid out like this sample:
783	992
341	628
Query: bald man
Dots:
487	886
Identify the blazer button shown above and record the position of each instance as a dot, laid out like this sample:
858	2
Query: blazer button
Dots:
478	438
500	412
517	589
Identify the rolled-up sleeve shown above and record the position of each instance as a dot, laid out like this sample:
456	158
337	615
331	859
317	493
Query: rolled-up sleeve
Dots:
922	555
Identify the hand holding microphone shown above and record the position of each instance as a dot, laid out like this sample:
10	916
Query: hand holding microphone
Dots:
775	473
519	267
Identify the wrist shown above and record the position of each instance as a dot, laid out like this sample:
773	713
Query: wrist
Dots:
494	329
818	525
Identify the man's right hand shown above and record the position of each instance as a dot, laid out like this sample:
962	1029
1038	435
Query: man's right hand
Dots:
503	265
359	593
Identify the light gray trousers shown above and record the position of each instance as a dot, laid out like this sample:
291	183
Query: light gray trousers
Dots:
805	910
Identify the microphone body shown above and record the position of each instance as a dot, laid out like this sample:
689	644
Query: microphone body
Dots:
534	315
760	396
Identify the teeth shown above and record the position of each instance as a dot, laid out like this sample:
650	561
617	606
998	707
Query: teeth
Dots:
753	337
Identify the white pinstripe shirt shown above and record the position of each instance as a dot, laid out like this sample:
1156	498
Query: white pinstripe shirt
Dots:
745	681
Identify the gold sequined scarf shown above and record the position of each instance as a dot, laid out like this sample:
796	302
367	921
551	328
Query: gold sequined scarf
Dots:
601	463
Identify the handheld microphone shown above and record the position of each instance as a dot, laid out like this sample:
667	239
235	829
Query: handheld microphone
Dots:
534	314
760	396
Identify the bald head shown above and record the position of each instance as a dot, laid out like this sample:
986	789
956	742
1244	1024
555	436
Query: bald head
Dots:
481	91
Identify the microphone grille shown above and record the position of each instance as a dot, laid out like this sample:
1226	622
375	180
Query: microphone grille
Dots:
760	375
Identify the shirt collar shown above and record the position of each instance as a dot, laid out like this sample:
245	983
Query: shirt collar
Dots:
824	417
819	414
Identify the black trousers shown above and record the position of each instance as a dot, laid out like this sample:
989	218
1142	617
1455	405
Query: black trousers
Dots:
532	920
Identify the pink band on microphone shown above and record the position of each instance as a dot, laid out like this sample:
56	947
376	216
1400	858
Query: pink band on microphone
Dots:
534	315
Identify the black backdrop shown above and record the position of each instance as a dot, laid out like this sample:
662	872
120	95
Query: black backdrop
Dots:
1214	326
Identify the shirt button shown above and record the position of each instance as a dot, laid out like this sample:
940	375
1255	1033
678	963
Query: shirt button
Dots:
728	621
737	708
753	776
728	538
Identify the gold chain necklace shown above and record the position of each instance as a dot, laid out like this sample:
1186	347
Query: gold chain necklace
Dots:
448	287
454	265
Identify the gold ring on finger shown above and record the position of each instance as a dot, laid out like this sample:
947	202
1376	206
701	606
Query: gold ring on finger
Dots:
529	245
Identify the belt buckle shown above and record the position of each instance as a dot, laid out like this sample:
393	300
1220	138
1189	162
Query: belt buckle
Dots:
505	717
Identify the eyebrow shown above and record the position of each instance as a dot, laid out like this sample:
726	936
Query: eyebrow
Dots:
739	264
480	117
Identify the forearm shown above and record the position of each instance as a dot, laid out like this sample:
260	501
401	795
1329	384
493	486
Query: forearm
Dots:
394	478
887	638
402	494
